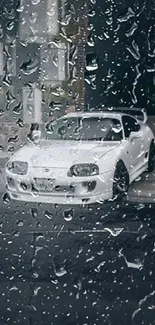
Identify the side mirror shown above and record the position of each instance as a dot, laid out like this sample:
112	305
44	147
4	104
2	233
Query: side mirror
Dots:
36	134
134	135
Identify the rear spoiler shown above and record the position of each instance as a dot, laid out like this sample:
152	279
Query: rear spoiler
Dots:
139	113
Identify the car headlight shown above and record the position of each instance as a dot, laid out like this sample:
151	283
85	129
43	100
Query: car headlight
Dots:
17	167
82	170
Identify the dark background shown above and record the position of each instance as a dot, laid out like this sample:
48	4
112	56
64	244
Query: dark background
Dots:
125	52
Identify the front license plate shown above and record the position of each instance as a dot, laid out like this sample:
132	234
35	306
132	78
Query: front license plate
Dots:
45	185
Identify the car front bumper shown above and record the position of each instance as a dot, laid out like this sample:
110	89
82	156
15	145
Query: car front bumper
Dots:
65	190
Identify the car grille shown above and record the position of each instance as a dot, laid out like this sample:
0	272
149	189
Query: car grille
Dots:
44	185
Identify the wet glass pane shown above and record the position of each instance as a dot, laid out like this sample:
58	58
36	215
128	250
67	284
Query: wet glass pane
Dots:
77	162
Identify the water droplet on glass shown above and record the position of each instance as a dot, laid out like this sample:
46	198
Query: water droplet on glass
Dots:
132	29
36	290
35	275
33	17
35	2
93	2
48	215
90	40
6	198
91	62
13	139
91	13
20	223
68	215
18	108
34	212
61	272
130	13
30	66
55	60
1	112
99	266
114	232
10	25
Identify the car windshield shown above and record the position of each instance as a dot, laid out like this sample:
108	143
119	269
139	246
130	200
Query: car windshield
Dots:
84	128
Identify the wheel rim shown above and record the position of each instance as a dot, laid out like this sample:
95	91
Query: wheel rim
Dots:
120	181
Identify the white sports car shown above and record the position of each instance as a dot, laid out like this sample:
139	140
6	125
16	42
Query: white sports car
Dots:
83	157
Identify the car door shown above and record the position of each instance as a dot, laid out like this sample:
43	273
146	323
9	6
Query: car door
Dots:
134	149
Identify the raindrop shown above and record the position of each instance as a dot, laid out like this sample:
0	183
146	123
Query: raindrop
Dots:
34	212
33	17
14	288
99	266
90	27
48	215
17	109
36	290
6	198
20	223
61	272
16	233
91	13
29	67
11	149
114	232
117	129
131	31
90	40
20	8
55	60
20	123
35	275
7	81
66	21
127	16
1	112
135	265
91	62
1	148
35	2
134	50
10	25
13	139
68	214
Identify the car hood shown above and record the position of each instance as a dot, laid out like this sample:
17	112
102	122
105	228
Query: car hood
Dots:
63	154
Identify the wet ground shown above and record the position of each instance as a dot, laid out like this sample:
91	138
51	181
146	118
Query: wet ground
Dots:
62	265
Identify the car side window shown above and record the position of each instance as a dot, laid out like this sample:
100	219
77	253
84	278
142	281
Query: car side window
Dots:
130	125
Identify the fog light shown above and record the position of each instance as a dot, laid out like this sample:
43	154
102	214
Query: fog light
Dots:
90	185
11	182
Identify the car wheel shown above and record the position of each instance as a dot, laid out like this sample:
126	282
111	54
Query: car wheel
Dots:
121	181
151	159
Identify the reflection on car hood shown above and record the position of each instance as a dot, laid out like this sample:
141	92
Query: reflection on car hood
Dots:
63	153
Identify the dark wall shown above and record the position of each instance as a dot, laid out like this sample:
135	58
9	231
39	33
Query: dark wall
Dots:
9	17
124	46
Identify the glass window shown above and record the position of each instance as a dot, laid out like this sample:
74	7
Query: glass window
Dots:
86	129
130	125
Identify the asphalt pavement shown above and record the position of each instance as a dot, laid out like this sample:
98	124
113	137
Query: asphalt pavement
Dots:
70	265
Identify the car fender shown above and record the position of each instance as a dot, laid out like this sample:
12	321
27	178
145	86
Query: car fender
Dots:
109	161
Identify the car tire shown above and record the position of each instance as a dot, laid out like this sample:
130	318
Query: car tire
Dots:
120	181
151	159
